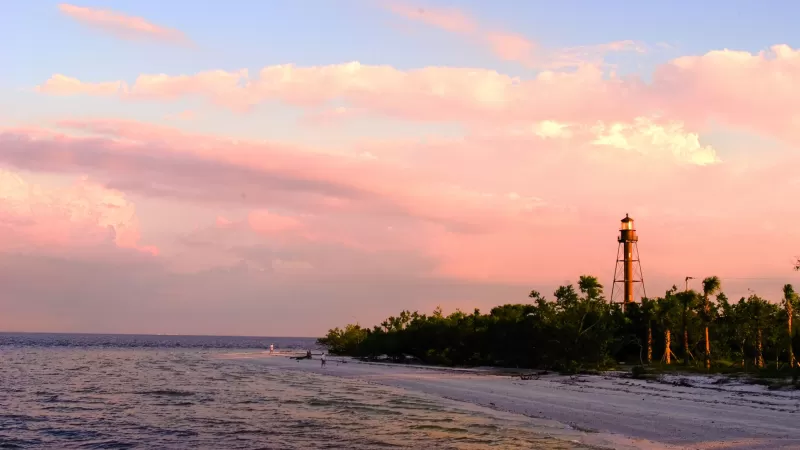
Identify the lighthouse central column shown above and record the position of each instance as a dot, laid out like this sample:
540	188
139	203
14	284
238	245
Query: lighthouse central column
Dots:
628	270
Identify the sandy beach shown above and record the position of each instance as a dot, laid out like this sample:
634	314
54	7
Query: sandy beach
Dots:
691	412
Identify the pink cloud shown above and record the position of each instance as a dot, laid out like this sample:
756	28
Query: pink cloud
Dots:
236	171
511	46
427	94
121	24
452	20
526	207
62	85
183	115
226	87
82	215
267	223
638	147
457	218
223	222
240	172
332	116
740	89
752	91
527	196
590	54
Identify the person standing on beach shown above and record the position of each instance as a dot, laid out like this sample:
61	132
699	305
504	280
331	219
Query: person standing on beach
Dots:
322	359
271	348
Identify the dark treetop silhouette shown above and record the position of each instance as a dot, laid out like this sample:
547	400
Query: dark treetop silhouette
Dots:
579	330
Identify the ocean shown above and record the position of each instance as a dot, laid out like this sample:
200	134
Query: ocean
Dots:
65	391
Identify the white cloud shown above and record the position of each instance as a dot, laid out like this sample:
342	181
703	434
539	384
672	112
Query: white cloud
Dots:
648	137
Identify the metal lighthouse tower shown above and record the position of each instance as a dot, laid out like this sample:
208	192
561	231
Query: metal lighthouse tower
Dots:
631	266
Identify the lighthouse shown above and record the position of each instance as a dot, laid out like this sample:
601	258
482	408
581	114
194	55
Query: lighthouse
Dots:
628	258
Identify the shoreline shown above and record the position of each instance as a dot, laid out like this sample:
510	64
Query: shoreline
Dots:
610	410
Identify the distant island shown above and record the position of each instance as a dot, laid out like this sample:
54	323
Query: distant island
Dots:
579	330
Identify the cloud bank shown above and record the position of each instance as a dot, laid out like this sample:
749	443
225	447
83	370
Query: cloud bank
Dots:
122	25
167	224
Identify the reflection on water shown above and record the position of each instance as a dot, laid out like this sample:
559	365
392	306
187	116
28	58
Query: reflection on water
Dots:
65	397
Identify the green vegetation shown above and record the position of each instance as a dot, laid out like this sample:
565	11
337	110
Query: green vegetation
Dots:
579	330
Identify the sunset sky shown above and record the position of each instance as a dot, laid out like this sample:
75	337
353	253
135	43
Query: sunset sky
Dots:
283	167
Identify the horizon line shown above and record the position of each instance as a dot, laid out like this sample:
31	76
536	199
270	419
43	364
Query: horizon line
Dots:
155	334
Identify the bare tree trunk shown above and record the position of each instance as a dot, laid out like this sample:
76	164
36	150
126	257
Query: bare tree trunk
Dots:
685	346
706	319
649	343
667	342
760	361
789	314
685	333
741	347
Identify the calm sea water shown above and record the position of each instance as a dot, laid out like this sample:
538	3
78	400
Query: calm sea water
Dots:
65	391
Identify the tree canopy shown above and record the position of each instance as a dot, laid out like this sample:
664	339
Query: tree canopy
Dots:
579	329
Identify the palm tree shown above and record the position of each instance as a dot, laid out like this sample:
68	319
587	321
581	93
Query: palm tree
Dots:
666	310
710	286
687	301
758	309
739	316
649	313
789	298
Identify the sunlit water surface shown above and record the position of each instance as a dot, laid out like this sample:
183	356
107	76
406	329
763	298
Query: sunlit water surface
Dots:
107	392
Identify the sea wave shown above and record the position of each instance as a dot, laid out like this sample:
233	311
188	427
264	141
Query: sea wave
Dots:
99	397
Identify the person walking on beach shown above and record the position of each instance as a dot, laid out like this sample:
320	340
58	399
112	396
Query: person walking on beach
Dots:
271	348
322	359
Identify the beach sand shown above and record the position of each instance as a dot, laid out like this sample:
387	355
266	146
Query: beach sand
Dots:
609	410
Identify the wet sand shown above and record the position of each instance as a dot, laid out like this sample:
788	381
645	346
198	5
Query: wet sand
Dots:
612	411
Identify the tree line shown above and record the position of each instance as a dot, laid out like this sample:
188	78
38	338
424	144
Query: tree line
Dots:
578	330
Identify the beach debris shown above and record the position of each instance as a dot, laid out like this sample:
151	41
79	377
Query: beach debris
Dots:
683	382
532	375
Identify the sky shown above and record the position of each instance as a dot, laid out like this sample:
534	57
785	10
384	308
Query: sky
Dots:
281	168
